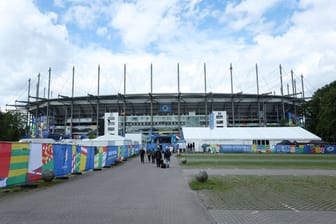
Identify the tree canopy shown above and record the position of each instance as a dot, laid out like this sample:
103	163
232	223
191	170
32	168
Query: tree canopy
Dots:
12	126
320	112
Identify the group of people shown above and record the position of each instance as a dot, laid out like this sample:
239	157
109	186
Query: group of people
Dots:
159	157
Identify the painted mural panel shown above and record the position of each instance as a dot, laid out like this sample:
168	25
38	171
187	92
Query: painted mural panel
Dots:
100	157
5	156
18	168
35	162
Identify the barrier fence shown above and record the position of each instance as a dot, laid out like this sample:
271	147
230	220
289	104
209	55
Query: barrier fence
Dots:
22	163
246	148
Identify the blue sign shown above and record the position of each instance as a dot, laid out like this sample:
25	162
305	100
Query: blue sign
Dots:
62	159
212	120
330	149
165	108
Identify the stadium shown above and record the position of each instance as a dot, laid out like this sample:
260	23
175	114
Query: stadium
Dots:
151	113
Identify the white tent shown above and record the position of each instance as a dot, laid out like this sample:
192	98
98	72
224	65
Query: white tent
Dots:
105	140
246	135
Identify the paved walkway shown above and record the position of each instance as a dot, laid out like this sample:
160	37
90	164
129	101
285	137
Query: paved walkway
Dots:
140	193
128	193
286	216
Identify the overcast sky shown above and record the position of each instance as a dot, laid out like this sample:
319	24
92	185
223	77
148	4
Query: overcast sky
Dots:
38	34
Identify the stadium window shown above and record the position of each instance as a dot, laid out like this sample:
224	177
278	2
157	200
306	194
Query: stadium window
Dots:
267	142
254	142
263	142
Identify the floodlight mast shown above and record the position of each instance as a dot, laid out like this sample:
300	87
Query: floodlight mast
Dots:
232	103
178	97
97	123
205	97
257	74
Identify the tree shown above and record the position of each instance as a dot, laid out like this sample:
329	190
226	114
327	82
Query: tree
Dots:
12	126
320	112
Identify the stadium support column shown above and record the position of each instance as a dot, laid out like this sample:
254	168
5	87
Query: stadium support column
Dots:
151	95
302	86
303	100
258	94
48	119
97	124
205	99
28	104
293	92
178	98
232	103
124	103
37	106
282	94
72	97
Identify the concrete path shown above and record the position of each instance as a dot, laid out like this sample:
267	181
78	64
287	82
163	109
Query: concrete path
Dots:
128	193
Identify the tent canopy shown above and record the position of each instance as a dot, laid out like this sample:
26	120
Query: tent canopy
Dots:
250	133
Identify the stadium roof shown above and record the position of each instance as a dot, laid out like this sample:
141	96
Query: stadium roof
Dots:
250	133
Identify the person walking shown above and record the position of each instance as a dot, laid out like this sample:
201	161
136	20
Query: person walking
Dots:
142	155
167	155
153	157
158	157
149	155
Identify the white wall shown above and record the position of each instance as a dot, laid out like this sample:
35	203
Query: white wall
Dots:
111	123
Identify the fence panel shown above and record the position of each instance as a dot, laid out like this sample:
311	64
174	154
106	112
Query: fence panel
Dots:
18	168
5	157
62	159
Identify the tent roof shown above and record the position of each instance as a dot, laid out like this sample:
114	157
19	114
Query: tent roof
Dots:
109	138
250	133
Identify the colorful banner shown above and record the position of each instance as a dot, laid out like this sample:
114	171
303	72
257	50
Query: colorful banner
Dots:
34	128
47	157
136	149
329	149
5	156
83	155
90	158
35	162
18	168
100	157
235	148
62	159
282	148
112	155
120	152
76	159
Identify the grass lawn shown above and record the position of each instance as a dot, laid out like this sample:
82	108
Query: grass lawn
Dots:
255	161
261	156
260	164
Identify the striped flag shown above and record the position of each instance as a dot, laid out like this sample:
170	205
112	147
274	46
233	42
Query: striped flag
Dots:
18	169
83	153
73	159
